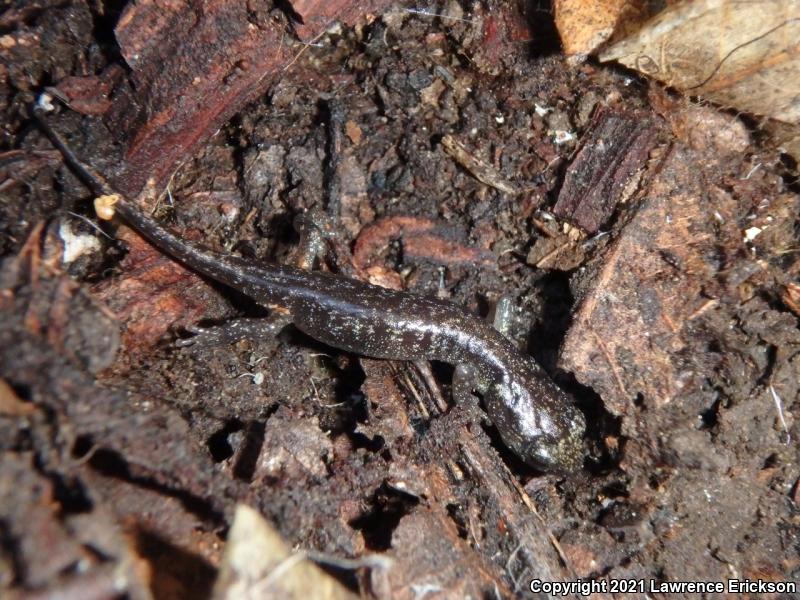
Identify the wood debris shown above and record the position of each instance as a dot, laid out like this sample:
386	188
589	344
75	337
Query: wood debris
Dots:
605	169
481	170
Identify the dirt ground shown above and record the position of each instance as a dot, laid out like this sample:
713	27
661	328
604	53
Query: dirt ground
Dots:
649	244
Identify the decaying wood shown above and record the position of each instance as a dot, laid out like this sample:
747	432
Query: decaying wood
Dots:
480	169
193	67
612	151
314	16
99	431
153	295
428	549
626	338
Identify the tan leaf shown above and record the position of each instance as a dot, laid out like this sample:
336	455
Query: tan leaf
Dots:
583	25
739	54
257	563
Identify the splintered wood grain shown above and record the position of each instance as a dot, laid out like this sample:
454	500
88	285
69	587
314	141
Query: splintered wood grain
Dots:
626	337
616	146
470	508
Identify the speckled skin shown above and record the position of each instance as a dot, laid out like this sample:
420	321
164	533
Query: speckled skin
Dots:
534	417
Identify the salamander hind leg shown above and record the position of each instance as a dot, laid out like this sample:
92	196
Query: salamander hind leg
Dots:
235	330
316	232
467	379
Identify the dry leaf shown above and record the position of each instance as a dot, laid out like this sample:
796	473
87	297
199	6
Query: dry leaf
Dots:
739	54
258	564
583	25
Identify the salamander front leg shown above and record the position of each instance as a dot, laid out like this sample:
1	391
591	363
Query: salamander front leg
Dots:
466	380
503	315
314	232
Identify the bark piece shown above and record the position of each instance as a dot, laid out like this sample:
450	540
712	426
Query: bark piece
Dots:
504	30
149	438
153	295
194	66
317	15
89	95
616	146
59	554
626	337
70	319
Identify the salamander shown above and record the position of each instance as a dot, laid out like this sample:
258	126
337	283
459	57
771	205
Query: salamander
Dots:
534	417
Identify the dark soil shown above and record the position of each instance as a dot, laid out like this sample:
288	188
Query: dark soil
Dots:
124	455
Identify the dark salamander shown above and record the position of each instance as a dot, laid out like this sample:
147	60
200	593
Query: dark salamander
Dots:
534	417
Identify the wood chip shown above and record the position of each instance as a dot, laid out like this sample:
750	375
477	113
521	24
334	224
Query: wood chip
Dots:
616	146
482	171
626	338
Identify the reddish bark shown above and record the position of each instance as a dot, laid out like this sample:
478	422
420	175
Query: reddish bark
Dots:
194	66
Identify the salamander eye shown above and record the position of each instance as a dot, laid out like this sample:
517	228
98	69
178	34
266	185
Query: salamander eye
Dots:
539	454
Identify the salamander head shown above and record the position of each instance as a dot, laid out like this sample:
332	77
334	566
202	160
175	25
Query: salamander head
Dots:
538	421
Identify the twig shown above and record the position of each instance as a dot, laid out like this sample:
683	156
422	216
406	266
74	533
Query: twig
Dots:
779	408
90	223
425	13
